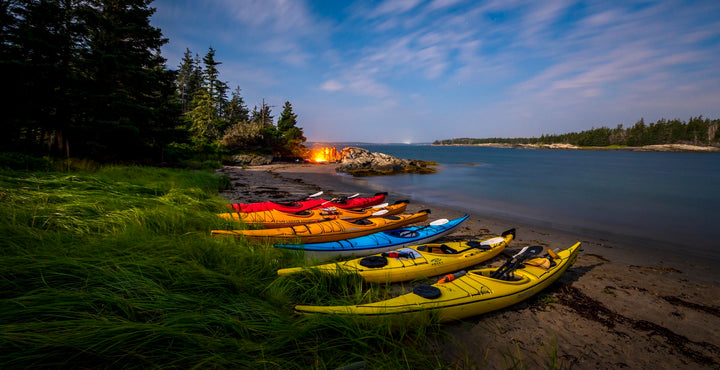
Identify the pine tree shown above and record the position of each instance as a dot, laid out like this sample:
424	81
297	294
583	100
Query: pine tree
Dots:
288	119
188	79
39	41
216	88
262	115
205	117
291	136
128	110
236	110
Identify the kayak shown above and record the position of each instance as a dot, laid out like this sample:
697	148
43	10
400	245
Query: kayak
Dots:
417	261
471	294
301	205
328	231
274	218
378	242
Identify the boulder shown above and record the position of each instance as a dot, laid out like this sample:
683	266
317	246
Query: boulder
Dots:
251	159
362	162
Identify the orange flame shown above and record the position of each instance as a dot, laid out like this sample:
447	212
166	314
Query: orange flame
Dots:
324	154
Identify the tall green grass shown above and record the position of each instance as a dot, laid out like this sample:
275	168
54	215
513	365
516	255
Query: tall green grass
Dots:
116	267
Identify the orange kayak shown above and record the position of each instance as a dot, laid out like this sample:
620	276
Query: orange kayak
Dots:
274	218
329	231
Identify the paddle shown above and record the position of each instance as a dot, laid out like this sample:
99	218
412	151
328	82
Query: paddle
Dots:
326	202
344	199
504	271
450	277
384	205
319	193
365	221
437	222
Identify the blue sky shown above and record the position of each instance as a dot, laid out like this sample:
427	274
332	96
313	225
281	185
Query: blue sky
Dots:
420	70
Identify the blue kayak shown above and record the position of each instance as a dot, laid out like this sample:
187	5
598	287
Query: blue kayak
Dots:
378	242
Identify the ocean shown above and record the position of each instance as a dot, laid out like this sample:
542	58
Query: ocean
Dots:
656	199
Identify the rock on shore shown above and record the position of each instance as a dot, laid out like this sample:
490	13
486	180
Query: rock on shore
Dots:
251	159
362	162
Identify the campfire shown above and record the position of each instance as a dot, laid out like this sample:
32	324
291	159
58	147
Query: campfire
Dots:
324	154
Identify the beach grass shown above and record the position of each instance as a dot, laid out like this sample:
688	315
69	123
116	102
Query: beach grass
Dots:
115	267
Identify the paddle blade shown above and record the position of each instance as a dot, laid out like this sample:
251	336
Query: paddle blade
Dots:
535	249
381	205
380	212
319	193
520	253
353	196
440	221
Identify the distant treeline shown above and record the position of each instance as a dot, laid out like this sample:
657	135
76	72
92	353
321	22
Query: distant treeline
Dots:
697	131
86	79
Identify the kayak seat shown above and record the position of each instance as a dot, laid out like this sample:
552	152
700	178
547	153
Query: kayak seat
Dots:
477	244
373	262
447	250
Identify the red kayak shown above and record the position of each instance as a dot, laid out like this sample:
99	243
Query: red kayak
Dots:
302	205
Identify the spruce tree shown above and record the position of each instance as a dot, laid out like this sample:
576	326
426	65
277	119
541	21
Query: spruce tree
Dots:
128	111
291	136
188	79
236	110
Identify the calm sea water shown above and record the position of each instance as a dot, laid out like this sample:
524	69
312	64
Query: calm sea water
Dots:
669	199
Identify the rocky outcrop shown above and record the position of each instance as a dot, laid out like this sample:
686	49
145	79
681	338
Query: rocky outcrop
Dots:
362	162
251	159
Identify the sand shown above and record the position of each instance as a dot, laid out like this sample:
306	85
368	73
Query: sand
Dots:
617	306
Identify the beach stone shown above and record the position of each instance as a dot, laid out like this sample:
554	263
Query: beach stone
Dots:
251	159
362	162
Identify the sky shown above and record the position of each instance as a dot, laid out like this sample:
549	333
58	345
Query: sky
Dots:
416	71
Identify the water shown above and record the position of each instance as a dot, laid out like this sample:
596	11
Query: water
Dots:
668	199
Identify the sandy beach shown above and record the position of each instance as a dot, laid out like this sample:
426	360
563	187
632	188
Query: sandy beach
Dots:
615	307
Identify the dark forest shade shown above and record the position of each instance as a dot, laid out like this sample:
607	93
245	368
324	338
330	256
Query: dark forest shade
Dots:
87	80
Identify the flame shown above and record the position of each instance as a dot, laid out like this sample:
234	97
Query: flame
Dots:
324	154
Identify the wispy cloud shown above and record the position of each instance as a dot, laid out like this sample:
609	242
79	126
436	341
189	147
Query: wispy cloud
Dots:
393	7
331	85
520	64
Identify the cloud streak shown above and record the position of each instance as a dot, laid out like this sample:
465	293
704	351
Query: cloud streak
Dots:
488	65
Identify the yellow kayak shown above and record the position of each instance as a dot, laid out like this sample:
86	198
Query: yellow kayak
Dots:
329	231
467	294
417	261
274	218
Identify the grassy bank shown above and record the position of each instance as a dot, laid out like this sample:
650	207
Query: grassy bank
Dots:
115	267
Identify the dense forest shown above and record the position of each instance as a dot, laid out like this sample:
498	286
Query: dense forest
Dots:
697	131
85	79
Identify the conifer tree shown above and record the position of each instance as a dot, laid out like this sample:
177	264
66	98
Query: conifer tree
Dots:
126	81
292	136
211	80
205	117
236	110
188	79
86	75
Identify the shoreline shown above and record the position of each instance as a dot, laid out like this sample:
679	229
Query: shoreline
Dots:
681	148
614	307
